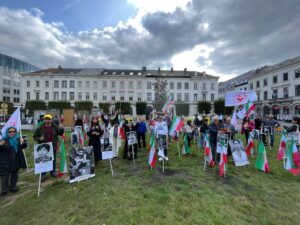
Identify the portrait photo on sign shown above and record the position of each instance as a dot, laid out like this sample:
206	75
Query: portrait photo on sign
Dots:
106	148
238	152
82	165
25	140
255	134
74	138
162	141
78	129
131	138
43	157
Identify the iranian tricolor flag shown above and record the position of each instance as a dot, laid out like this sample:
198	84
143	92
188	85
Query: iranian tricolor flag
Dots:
249	107
282	147
293	159
185	148
223	162
121	131
250	146
176	125
63	162
152	153
207	152
167	105
262	161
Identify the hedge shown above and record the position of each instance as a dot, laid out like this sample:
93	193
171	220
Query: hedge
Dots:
84	105
204	106
104	107
141	108
182	109
59	105
123	106
32	105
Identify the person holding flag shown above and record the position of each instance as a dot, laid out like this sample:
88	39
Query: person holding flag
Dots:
247	127
94	134
12	159
49	132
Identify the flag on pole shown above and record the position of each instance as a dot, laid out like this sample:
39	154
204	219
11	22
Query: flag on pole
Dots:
261	161
14	121
223	162
121	131
63	162
85	126
233	119
207	152
167	105
250	146
176	125
246	111
282	147
152	153
185	148
293	159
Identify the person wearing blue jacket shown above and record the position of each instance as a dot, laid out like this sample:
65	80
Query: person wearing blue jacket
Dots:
141	132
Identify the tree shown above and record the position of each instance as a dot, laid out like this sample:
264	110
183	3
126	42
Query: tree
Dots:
104	107
182	109
160	93
59	105
141	108
220	106
35	105
84	105
204	106
124	107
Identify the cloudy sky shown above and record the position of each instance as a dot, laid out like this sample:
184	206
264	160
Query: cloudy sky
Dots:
222	37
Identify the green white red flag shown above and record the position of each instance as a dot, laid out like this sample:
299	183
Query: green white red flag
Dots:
207	152
282	147
167	105
63	162
223	162
185	148
152	152
246	111
293	159
262	161
250	146
176	125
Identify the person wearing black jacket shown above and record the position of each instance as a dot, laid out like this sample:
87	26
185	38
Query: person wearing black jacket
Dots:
11	160
294	127
203	130
214	129
94	134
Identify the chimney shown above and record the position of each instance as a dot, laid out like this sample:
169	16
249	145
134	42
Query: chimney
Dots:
158	70
144	70
171	69
185	70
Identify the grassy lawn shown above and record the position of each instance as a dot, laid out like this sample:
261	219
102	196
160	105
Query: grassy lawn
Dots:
184	194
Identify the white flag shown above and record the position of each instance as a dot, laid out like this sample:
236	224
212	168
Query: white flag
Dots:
233	119
14	121
235	98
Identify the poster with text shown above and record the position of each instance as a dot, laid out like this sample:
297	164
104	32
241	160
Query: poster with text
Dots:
43	157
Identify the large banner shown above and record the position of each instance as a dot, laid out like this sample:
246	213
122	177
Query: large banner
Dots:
82	165
43	157
238	152
131	138
235	98
106	148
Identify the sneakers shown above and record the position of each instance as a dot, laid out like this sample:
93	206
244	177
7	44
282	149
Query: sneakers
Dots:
160	159
166	158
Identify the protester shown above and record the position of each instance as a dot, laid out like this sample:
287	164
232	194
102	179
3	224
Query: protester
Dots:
94	134
141	132
188	131
11	160
230	131
115	136
247	127
257	123
214	129
203	131
294	127
49	132
161	128
269	125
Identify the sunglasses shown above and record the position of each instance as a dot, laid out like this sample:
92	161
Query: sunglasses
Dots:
11	131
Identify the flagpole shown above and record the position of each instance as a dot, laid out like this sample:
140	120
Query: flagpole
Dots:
112	172
22	143
178	148
39	187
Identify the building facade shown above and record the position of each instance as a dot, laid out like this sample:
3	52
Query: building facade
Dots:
111	85
277	88
10	78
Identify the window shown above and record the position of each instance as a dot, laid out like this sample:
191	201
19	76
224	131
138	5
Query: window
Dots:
285	77
179	97
64	84
149	97
113	84
148	85
104	84
95	96
257	84
172	96
204	86
285	92
195	86
274	79
212	86
87	96
251	86
139	96
265	82
72	84
28	83
113	98
122	84
47	96
55	95
104	97
203	97
274	93
64	95
130	85
297	74
195	98
171	85
130	98
79	96
186	97
122	98
265	95
27	95
95	85
139	85
37	83
87	84
80	84
46	83
212	97
178	86
297	90
186	86
56	84
258	96
71	96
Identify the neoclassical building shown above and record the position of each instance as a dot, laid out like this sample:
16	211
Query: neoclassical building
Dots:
277	88
114	85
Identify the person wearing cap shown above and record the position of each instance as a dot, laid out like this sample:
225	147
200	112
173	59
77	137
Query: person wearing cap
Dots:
49	132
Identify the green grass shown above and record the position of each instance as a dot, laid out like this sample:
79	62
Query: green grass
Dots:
184	194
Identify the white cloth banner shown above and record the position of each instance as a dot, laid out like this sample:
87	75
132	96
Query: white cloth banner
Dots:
235	98
14	121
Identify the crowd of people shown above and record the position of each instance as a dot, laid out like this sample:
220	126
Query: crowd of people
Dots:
117	127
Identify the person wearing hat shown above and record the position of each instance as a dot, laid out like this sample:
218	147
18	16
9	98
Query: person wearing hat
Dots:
49	132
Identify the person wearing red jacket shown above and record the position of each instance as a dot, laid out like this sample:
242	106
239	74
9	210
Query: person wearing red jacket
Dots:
247	127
